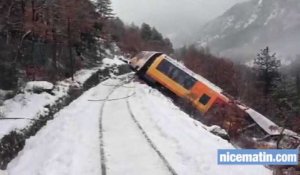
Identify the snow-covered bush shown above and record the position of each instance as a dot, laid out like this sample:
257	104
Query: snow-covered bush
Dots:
217	130
5	94
39	86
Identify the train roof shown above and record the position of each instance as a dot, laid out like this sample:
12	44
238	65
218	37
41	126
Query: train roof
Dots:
139	60
146	55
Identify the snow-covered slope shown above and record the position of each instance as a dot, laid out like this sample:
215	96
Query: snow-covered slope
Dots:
136	131
30	105
249	26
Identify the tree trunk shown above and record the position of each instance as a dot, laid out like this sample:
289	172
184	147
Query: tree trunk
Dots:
32	11
33	38
54	56
20	46
8	24
298	83
33	57
70	49
7	37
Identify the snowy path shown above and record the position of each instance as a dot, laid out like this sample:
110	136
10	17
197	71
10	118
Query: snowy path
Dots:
143	134
123	140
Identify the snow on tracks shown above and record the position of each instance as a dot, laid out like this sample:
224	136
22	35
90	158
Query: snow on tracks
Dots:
114	87
163	158
126	149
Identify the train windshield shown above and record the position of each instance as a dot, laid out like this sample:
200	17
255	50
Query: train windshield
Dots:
176	74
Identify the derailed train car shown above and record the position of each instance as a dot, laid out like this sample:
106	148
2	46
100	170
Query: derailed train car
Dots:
158	68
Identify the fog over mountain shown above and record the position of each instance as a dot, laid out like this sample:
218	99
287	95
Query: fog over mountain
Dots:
249	26
180	20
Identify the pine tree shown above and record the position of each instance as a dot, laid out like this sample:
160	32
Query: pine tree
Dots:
267	66
146	32
104	8
11	17
155	35
297	72
298	84
117	29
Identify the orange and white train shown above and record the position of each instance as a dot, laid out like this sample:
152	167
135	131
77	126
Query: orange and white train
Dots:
161	69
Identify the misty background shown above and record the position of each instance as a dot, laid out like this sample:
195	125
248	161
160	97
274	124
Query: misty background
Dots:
179	20
236	29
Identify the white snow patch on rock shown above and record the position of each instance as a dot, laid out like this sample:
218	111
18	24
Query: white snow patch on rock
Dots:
217	130
273	15
251	20
5	92
112	62
228	23
3	172
82	75
41	86
30	105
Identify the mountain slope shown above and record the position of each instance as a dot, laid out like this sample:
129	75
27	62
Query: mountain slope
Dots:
249	26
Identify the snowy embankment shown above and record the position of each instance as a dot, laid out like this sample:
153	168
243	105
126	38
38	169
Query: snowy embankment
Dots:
186	143
26	113
31	105
128	129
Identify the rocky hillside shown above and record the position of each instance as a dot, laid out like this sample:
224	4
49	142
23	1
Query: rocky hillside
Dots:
249	26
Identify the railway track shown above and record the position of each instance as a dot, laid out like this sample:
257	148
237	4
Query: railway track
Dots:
102	153
122	139
150	142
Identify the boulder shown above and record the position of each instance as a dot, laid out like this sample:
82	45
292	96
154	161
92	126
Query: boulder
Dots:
39	86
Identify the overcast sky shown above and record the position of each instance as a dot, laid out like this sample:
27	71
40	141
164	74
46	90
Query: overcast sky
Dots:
177	19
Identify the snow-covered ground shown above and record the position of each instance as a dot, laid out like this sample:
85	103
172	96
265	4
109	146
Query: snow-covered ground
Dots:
30	105
142	134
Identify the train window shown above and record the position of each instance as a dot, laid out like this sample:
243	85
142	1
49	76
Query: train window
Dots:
189	82
204	99
181	79
164	66
176	74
